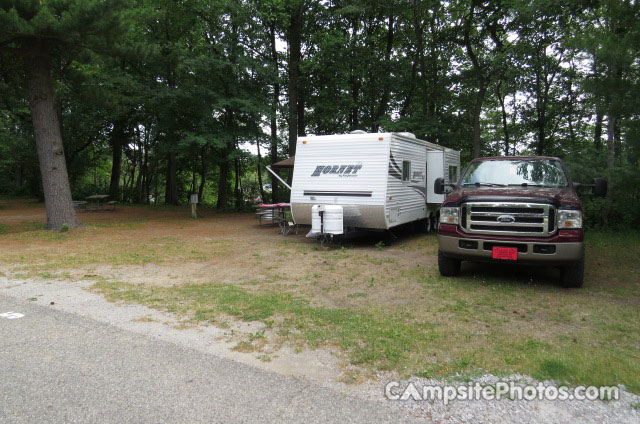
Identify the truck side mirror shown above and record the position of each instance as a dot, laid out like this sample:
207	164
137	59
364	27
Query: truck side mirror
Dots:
599	187
438	186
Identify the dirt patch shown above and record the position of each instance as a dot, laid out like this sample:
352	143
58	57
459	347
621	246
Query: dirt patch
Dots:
384	308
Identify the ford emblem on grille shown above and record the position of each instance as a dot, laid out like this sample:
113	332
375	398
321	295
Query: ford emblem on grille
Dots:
506	218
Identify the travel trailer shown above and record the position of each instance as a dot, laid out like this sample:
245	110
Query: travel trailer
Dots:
373	181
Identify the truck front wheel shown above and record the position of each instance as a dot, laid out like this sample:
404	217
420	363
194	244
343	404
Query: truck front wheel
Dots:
573	275
448	267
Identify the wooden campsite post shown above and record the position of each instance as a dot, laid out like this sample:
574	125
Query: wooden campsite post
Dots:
194	205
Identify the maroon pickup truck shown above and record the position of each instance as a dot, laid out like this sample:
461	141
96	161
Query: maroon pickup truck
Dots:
514	209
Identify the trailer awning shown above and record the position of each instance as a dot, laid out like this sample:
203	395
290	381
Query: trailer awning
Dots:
283	164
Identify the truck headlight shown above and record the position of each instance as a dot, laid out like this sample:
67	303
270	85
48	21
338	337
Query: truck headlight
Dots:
450	215
568	219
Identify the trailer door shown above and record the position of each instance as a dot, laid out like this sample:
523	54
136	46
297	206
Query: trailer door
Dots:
435	169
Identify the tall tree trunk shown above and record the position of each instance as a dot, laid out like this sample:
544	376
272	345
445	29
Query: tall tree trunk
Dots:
477	111
505	127
46	127
171	190
482	80
274	113
237	188
194	177
541	133
118	140
156	188
355	109
294	39
301	122
611	157
203	176
259	171
418	26
144	189
17	177
384	99
223	191
139	157
406	103
597	131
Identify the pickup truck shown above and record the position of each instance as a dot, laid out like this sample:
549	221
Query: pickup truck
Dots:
514	209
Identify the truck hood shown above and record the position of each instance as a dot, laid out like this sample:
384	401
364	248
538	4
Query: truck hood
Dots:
559	197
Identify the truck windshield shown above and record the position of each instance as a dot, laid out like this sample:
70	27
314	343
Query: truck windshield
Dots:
517	172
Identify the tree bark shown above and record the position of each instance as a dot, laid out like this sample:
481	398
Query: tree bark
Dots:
203	176
505	127
301	122
274	112
418	25
259	171
541	135
384	99
140	159
477	110
611	156
597	131
46	126
294	40
144	169
171	190
118	139
482	80
223	191
236	186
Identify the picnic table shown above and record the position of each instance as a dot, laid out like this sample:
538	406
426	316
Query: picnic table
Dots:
97	199
276	213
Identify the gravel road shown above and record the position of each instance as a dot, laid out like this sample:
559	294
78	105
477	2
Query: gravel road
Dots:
61	367
83	359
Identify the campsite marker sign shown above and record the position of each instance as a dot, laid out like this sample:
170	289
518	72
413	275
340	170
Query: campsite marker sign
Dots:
194	205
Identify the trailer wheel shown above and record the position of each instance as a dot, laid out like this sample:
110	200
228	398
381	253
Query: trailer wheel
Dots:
425	225
448	267
573	275
388	238
435	221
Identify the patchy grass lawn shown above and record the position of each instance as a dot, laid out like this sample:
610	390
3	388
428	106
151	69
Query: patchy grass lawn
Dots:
382	308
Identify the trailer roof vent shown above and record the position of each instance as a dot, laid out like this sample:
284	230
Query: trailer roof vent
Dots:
357	132
408	134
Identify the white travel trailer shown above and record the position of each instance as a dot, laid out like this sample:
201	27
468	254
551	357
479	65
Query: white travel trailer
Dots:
368	181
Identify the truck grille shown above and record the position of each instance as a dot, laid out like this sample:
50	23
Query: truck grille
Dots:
515	219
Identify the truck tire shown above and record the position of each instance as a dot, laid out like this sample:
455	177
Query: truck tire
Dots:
573	275
448	267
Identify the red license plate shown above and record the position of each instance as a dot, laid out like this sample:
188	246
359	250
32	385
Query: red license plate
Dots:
508	253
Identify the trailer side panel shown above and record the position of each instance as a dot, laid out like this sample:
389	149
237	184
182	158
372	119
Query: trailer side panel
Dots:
407	181
348	170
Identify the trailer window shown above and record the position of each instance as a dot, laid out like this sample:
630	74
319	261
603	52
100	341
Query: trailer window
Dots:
406	170
453	174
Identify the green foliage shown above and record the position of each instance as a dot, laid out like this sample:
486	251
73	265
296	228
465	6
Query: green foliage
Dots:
74	23
196	81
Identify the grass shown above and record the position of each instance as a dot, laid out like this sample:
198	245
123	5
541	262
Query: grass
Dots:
383	308
371	337
113	246
487	325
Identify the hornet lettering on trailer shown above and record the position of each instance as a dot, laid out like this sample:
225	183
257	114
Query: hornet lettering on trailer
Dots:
340	170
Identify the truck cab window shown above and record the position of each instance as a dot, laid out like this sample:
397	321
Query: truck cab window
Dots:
406	170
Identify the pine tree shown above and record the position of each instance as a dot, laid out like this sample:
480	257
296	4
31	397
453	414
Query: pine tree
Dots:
38	35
